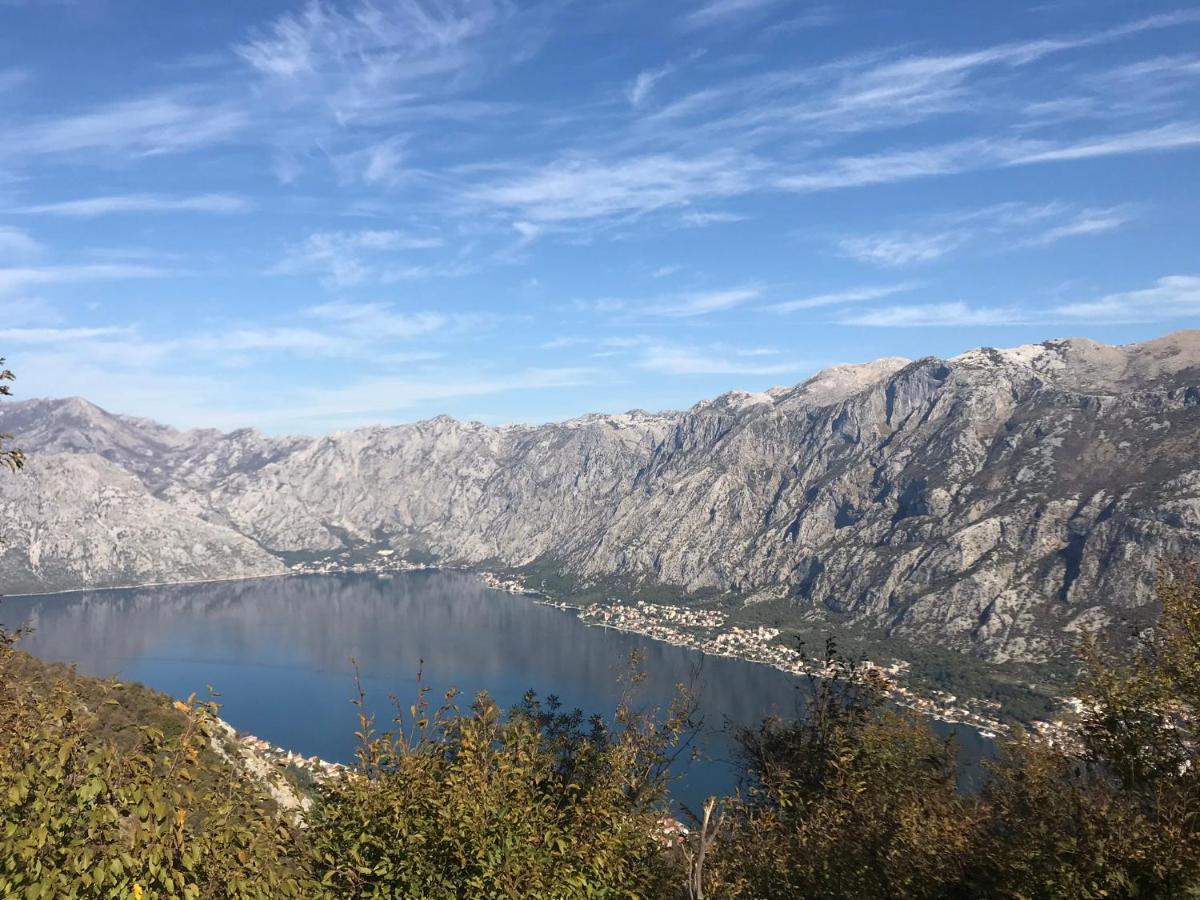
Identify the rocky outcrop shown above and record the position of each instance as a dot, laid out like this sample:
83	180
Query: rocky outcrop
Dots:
997	501
76	520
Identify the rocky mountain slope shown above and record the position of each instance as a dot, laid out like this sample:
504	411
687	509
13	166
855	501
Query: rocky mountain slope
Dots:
996	501
79	520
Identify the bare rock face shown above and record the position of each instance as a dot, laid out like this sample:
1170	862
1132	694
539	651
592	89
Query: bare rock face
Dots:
996	502
75	520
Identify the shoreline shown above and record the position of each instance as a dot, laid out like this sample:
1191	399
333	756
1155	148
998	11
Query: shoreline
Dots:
986	727
148	584
655	627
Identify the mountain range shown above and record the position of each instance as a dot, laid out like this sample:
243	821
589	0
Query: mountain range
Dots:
996	502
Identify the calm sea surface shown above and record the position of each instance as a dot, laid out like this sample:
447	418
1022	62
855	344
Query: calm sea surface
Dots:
278	651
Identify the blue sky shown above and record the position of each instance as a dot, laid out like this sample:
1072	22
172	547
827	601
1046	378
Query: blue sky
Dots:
311	216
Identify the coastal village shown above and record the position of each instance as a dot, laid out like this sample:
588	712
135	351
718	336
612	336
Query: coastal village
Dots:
383	562
707	631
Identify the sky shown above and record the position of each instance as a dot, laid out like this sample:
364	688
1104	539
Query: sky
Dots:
308	217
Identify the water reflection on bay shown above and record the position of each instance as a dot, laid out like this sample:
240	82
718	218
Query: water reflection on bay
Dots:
279	652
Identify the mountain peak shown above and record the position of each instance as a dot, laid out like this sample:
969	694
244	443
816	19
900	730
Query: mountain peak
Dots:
1088	365
78	405
836	383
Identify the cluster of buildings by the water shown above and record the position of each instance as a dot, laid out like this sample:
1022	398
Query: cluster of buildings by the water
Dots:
387	562
500	583
383	562
319	769
707	631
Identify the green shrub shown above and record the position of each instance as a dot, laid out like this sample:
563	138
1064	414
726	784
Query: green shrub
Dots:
476	803
85	812
855	800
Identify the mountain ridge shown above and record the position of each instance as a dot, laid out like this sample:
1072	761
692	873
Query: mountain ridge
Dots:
1174	343
996	502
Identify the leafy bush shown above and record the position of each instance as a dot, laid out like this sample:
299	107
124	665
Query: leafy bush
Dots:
854	800
454	803
85	812
858	801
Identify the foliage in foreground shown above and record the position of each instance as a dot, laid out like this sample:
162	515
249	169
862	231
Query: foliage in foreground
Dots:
483	804
106	791
855	800
109	793
96	802
1118	815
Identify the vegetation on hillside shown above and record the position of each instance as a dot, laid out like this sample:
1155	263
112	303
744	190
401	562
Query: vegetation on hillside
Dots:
1022	691
112	791
108	791
10	457
479	803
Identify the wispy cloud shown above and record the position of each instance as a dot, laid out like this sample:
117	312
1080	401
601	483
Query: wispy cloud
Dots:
717	359
678	305
377	321
978	154
348	258
379	396
156	124
1084	223
841	298
1001	226
901	248
58	335
702	303
947	315
892	166
142	203
384	162
643	85
396	40
718	12
580	189
20	277
363	60
561	343
1175	136
286	339
702	219
672	358
1160	84
1171	297
376	331
17	245
871	91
